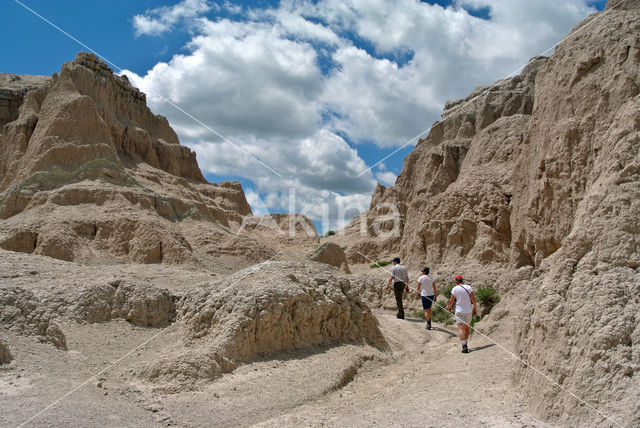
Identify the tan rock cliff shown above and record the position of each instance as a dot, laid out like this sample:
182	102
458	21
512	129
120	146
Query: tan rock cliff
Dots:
533	186
89	174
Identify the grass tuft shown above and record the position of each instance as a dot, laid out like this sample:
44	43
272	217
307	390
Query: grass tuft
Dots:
487	296
380	264
446	290
441	315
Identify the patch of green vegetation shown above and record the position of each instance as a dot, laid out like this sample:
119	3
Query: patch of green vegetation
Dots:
446	290
344	247
57	177
380	264
103	168
417	313
474	320
487	296
440	315
330	233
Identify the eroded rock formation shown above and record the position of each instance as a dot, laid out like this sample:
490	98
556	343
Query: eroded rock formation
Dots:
451	201
532	185
264	309
21	311
331	254
90	174
285	228
13	88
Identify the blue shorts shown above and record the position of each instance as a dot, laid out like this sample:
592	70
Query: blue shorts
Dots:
427	301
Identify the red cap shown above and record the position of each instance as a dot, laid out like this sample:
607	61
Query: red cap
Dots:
459	278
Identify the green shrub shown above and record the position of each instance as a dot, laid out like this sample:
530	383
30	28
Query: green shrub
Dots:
380	264
417	313
330	233
474	320
446	291
487	296
441	315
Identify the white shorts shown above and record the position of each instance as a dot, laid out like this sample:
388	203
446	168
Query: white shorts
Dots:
463	317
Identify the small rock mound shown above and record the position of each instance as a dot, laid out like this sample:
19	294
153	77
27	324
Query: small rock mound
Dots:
5	355
268	308
331	254
23	313
140	304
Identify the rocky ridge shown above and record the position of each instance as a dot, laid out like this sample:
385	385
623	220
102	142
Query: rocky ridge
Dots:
216	324
270	307
451	199
532	186
90	174
13	88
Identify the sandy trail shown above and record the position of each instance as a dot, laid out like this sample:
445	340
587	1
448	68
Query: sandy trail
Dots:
428	382
424	380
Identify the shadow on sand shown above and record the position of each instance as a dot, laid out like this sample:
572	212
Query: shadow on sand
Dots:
411	319
480	348
444	330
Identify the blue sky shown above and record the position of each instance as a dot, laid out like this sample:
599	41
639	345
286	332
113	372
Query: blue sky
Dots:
318	91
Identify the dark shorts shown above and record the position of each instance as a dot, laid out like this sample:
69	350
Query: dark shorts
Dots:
427	301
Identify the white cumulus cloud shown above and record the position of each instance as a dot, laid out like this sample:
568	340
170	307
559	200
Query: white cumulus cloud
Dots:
154	22
299	85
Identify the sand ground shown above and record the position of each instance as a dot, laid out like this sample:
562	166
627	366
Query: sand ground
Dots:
423	381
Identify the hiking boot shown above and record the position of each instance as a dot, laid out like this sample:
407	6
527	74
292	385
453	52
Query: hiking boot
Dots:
465	350
401	317
428	325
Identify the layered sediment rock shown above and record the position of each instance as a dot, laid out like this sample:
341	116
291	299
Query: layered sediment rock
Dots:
451	200
532	185
265	309
286	228
13	88
331	254
89	173
88	113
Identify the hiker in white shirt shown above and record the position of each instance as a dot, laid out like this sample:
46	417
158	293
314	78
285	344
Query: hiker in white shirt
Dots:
400	278
465	309
428	294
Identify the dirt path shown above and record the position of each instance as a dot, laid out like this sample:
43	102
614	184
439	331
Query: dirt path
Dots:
429	382
423	381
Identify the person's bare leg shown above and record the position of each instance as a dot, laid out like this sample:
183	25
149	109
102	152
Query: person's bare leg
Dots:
461	332
465	331
427	317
